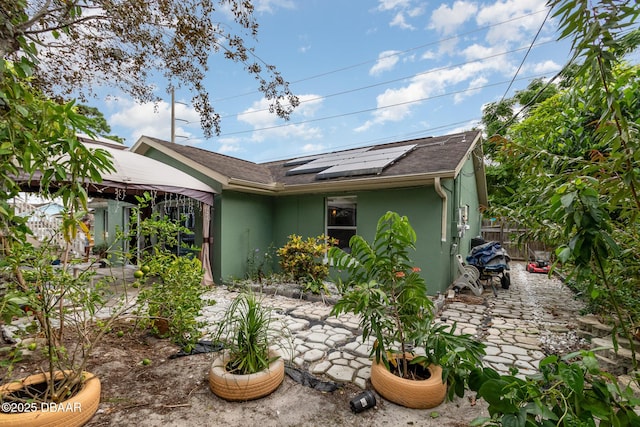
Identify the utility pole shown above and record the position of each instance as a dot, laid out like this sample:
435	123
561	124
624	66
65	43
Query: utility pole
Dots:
173	116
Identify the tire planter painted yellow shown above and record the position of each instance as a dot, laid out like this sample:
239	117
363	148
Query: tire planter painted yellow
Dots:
417	394
244	387
73	412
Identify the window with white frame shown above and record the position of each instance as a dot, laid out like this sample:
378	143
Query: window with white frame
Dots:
341	219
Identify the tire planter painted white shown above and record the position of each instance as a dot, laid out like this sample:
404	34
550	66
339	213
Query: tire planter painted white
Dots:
415	394
73	412
244	387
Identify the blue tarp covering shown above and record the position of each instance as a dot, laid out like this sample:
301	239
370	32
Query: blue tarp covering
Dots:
489	257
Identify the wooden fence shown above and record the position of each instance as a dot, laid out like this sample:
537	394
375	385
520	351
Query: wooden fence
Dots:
508	235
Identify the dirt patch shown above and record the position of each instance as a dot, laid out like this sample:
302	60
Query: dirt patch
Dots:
174	392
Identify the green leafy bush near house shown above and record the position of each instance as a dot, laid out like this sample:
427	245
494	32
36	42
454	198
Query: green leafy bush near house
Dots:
171	286
303	260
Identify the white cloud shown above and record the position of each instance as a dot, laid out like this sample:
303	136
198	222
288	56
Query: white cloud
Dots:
386	61
313	148
465	127
488	58
447	20
428	55
154	120
416	11
401	9
399	21
474	87
230	146
393	4
519	20
394	105
270	5
448	46
269	125
547	66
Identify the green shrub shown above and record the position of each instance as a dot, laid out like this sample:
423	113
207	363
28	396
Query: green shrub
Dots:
174	300
570	391
246	332
303	260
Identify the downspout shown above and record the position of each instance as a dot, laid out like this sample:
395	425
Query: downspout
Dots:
444	198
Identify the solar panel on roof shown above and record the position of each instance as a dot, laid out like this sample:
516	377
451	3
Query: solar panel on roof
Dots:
362	161
326	156
369	163
311	164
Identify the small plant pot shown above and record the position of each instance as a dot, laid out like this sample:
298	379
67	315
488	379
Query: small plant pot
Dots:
73	412
244	387
161	325
417	394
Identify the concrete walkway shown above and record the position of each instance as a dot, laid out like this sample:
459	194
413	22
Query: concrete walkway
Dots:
520	326
536	316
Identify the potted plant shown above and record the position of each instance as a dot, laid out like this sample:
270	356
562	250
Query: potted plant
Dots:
249	367
101	251
413	357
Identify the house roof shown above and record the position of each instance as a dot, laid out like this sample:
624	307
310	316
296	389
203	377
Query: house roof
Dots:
135	172
419	162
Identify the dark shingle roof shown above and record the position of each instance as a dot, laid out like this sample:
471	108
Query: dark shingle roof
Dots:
231	167
432	155
440	155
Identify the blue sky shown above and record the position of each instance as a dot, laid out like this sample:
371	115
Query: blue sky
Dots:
366	71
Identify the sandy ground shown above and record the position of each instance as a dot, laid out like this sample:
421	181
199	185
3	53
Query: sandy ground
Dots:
174	392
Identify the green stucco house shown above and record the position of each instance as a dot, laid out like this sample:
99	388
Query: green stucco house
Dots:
437	182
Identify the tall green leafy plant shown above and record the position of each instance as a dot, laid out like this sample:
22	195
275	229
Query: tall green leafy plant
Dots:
386	290
38	143
172	290
577	155
576	162
247	332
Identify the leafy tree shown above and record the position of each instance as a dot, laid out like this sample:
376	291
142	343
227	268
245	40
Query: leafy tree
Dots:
574	157
124	43
498	118
579	176
33	132
100	124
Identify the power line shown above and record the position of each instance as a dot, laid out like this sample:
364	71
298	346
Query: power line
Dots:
526	55
370	61
368	110
391	138
435	70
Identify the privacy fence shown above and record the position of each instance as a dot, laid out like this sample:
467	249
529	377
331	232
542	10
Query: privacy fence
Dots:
509	235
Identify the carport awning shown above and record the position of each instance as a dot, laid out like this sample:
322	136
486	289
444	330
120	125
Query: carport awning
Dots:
134	174
137	172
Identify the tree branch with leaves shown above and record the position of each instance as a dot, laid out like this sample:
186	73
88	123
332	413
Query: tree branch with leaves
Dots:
124	43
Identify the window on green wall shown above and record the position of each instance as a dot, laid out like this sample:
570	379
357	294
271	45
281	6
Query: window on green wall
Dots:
341	219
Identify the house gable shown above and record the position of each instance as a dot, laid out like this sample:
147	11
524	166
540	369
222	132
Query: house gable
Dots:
419	162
